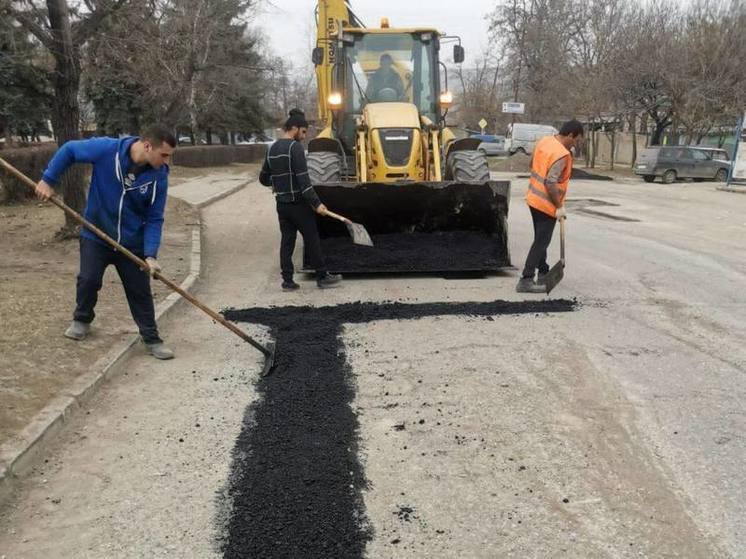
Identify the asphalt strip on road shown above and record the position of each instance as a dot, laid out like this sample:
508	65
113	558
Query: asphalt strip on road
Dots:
296	482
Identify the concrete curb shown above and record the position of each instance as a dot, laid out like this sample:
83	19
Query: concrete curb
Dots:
20	453
222	195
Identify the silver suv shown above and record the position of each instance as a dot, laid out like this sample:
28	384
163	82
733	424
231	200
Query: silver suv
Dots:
681	162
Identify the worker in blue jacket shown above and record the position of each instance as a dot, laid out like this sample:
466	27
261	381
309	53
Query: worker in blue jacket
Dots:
126	199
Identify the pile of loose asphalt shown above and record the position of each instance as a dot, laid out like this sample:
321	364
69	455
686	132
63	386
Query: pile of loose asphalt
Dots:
443	251
586	176
296	482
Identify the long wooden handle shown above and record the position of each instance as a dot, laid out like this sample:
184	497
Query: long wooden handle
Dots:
136	259
341	218
562	239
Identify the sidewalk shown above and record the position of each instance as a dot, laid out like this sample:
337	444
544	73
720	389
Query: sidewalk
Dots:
204	190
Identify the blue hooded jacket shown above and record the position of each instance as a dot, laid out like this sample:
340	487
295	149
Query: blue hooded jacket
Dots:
129	209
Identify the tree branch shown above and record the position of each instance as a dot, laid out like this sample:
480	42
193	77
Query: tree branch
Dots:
83	29
31	24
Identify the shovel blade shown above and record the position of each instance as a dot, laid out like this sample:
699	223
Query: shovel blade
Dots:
359	234
269	359
554	276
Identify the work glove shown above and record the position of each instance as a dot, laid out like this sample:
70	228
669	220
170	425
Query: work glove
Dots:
561	213
153	266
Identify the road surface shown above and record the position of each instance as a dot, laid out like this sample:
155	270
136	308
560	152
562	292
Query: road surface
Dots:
613	430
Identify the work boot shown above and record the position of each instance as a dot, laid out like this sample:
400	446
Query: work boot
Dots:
290	285
328	280
528	285
541	279
160	351
77	330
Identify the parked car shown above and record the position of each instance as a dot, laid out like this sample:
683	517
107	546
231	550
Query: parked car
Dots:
680	162
522	136
254	139
491	144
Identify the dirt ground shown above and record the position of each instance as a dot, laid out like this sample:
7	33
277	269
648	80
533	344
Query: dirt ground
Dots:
518	163
37	282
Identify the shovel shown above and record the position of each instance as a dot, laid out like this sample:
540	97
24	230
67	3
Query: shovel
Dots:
268	351
555	275
357	231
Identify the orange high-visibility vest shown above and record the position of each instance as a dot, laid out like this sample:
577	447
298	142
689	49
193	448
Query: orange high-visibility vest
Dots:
547	152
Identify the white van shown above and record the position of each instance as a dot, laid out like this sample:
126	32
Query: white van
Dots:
522	137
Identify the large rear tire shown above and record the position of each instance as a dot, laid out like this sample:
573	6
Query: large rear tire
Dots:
324	166
467	165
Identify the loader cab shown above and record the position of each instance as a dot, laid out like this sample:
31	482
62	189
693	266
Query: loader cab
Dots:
391	67
387	66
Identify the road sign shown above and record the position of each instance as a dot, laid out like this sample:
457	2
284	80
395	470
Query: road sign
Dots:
514	108
483	124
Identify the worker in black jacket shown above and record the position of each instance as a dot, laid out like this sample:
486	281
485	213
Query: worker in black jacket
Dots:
285	170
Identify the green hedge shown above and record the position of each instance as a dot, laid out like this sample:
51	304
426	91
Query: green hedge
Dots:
30	161
33	160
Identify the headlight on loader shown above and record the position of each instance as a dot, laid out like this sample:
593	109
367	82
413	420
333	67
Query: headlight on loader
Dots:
446	99
335	100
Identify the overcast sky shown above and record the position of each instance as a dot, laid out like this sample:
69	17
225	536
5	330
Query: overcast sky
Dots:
288	23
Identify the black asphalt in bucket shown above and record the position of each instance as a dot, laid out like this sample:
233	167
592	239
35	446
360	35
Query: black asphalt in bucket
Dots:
296	482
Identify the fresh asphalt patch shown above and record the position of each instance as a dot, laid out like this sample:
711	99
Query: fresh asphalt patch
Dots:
296	482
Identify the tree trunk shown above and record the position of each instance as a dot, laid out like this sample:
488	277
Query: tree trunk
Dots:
674	136
613	147
660	127
634	139
66	108
594	147
721	139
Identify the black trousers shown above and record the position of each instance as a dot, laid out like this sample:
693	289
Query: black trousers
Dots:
293	218
537	255
94	259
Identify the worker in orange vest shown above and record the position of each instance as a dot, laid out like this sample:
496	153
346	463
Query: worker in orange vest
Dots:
551	168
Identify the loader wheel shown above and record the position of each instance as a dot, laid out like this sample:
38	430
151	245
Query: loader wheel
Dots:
324	166
467	165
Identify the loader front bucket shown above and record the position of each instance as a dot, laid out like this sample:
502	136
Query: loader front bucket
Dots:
417	226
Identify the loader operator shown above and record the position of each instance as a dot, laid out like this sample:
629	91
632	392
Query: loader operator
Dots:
285	170
126	199
551	167
385	84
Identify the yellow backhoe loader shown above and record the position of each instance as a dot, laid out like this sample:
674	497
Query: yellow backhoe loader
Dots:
385	157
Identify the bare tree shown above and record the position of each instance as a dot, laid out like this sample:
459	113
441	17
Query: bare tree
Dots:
677	66
481	93
63	30
197	66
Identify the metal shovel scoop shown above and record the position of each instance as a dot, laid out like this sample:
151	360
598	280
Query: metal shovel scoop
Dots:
555	275
357	231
